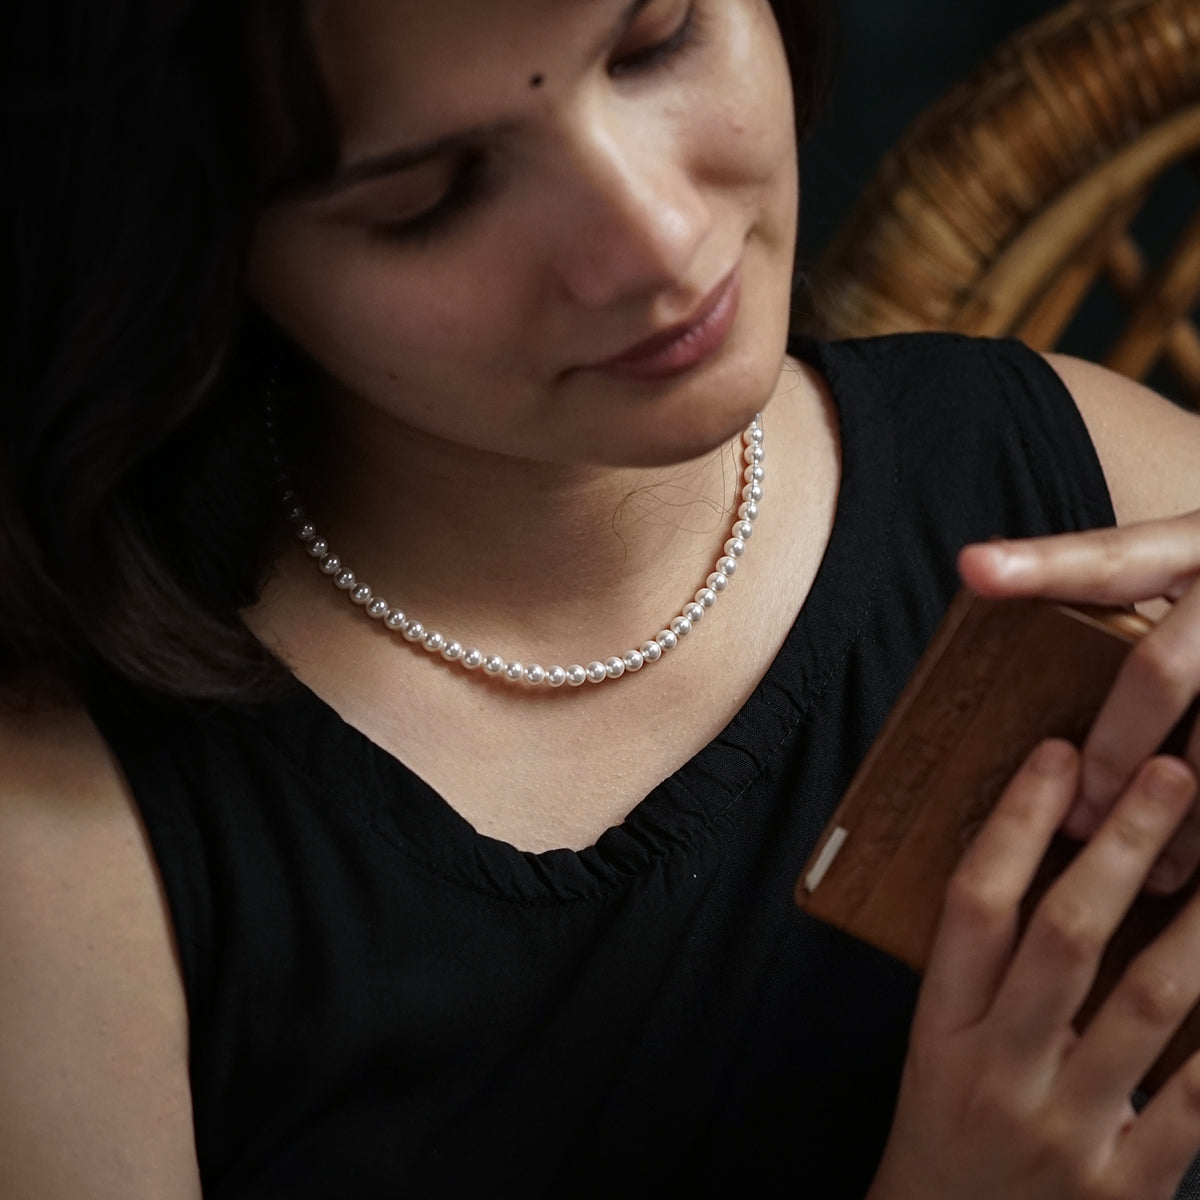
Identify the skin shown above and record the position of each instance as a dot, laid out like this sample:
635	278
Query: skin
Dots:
94	1097
473	443
592	505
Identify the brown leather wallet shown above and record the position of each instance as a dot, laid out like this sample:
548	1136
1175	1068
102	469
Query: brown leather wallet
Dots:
998	677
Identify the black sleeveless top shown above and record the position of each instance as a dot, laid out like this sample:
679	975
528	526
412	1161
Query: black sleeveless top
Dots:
384	1003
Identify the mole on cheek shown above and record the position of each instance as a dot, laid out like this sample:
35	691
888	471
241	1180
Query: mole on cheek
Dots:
536	81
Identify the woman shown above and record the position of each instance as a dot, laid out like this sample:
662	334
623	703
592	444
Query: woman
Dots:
401	919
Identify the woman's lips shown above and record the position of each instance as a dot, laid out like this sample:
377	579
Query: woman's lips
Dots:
683	346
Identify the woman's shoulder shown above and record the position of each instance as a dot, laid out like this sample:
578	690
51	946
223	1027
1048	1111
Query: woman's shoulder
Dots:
44	742
1148	447
61	793
93	1030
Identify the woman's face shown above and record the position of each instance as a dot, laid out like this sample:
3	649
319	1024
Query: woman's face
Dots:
561	230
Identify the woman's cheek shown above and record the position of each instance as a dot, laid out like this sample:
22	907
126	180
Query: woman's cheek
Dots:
387	314
748	132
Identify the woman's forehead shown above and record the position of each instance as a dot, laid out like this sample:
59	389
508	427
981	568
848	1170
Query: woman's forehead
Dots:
411	69
363	43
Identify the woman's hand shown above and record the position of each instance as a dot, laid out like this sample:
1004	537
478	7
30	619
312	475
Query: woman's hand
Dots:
1160	678
1001	1099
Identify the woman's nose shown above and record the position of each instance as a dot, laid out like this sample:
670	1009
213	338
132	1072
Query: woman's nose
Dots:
633	218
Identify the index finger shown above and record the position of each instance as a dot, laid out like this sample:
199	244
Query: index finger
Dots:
1099	566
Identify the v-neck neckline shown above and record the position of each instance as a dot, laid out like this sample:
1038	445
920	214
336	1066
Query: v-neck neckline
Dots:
347	765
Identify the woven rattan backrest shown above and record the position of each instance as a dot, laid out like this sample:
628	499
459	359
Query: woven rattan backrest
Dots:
1011	196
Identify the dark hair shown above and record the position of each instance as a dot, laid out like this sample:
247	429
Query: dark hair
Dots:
136	500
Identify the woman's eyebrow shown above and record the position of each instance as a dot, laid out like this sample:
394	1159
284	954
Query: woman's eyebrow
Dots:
393	161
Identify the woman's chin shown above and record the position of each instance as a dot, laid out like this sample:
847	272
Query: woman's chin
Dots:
689	423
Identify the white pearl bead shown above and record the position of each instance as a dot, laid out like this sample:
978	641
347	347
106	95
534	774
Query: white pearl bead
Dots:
294	514
633	660
615	668
452	651
556	677
576	676
651	652
472	659
744	530
493	664
414	631
361	594
378	608
307	532
694	612
535	674
681	626
752	492
706	597
754	435
748	511
345	580
755	474
396	620
735	547
597	672
666	639
318	547
331	564
754	454
727	566
434	642
514	671
718	582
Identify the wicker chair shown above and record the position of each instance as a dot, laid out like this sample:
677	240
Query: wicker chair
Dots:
1011	197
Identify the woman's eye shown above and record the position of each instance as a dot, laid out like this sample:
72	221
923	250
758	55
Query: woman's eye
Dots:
658	52
469	179
467	184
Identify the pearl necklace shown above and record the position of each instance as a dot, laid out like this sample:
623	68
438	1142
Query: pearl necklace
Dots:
452	651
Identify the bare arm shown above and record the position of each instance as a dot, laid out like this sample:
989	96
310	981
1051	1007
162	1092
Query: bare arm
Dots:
1148	447
94	1097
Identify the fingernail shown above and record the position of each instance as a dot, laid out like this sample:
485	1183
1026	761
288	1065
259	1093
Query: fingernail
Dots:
1167	779
1009	558
1053	757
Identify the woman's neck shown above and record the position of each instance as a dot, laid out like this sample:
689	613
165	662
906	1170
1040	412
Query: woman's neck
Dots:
513	598
461	537
542	562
